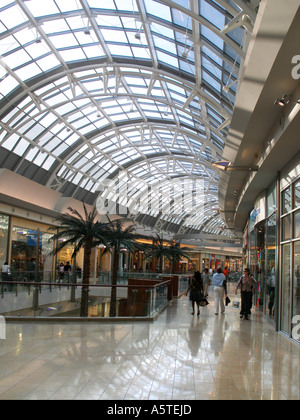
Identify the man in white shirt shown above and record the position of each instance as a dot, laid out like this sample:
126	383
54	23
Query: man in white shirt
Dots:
218	280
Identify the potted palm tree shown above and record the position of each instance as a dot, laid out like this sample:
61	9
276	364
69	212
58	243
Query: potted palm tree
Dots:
81	232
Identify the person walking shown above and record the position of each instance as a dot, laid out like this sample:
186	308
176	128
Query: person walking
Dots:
5	271
218	281
5	275
196	291
67	272
206	281
247	284
31	270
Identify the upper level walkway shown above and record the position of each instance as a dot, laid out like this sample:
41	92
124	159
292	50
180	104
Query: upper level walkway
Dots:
178	356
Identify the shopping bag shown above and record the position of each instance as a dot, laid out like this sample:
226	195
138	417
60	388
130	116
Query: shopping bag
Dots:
236	303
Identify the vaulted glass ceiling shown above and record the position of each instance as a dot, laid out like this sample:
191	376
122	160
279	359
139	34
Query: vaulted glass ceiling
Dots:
112	99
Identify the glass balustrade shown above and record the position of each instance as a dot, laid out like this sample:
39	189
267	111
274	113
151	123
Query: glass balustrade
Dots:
51	297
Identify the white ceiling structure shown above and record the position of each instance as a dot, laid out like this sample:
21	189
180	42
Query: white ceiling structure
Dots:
127	100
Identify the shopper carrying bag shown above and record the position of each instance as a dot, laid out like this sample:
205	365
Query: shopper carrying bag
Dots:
247	283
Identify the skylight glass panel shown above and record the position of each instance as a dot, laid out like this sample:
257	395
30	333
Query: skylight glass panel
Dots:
212	14
56	26
114	36
21	147
212	68
140	52
80	123
63	41
72	54
158	9
35	131
164	44
182	19
17	58
124	4
187	67
42	8
48	163
37	50
7	85
31	154
12	16
167	59
93	51
212	37
25	36
7	44
211	81
28	71
71	139
48	63
10	142
68	5
121	50
112	21
51	145
85	37
77	178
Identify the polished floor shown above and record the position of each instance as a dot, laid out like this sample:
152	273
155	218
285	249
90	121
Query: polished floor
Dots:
177	357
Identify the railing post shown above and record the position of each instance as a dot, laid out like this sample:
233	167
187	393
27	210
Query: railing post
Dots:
149	291
134	291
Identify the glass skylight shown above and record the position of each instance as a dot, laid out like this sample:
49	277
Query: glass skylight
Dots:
90	90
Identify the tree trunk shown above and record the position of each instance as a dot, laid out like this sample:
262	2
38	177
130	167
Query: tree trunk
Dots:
161	264
113	296
85	279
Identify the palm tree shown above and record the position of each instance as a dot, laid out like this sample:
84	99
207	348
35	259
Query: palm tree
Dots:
177	253
82	232
159	250
118	236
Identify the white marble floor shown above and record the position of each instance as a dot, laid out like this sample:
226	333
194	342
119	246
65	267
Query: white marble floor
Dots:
177	357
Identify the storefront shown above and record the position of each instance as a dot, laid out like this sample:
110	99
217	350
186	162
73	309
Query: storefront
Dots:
289	303
26	245
4	235
271	249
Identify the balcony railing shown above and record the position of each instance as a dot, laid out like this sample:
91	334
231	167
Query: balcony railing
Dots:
138	298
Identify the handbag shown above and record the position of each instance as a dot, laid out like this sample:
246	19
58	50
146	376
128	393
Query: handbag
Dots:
203	302
227	301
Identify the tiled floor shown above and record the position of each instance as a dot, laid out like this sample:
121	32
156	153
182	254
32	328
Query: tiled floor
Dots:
178	356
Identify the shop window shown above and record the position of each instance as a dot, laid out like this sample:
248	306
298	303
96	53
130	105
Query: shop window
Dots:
285	289
297	194
297	224
286	227
286	200
271	200
271	266
24	248
296	277
290	261
4	221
